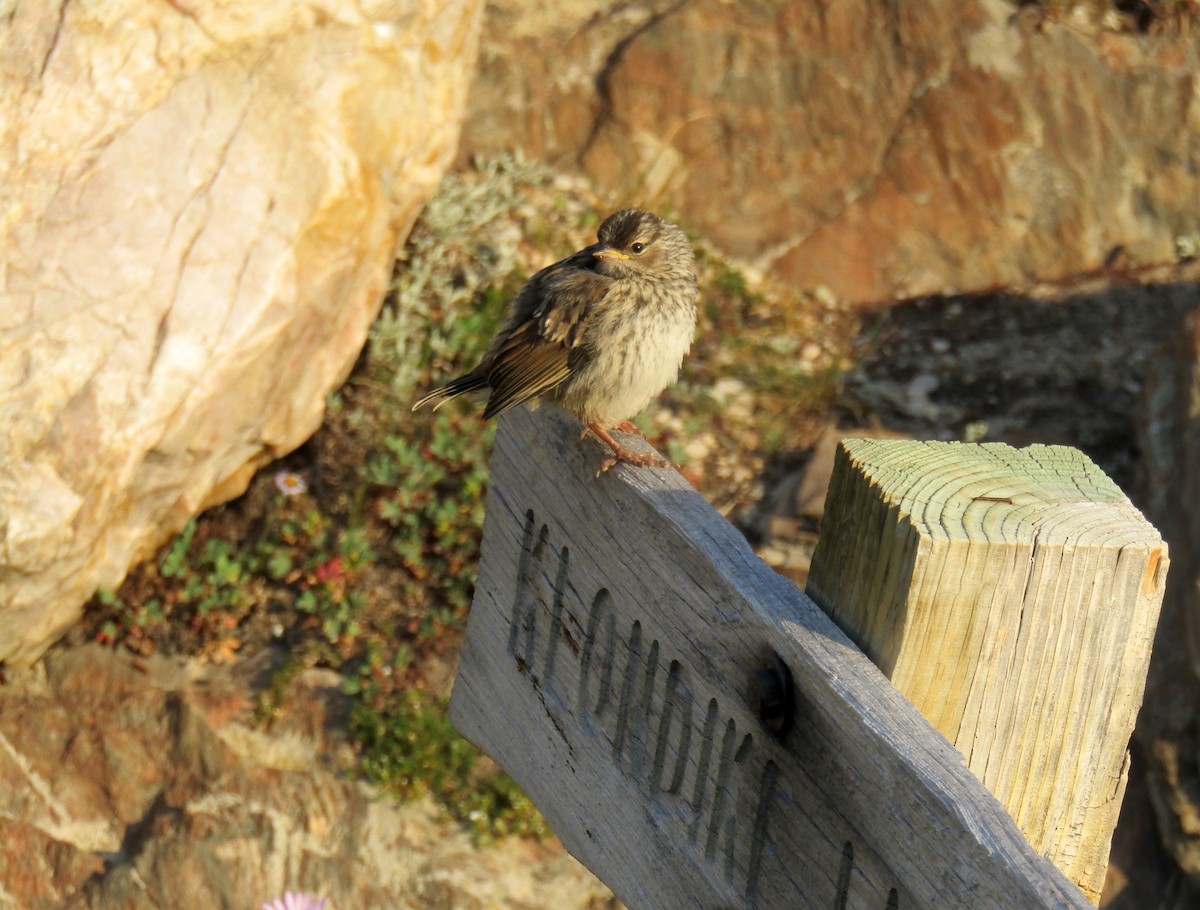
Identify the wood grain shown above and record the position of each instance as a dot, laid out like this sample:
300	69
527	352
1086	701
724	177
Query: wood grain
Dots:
1012	595
616	623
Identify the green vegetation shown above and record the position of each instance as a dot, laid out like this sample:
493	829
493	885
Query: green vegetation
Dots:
759	342
359	551
410	749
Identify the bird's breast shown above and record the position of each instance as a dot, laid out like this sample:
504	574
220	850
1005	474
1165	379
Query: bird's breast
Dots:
634	350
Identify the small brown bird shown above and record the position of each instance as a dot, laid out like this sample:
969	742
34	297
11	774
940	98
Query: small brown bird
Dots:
598	334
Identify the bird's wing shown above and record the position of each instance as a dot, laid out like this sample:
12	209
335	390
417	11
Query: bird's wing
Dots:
540	351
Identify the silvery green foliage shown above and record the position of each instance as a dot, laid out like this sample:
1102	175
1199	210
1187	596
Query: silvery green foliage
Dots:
459	246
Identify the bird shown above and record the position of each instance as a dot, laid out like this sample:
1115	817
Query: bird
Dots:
598	334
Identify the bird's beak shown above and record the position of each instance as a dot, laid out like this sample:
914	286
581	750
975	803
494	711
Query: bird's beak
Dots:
607	252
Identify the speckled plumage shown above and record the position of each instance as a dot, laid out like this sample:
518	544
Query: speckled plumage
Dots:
598	334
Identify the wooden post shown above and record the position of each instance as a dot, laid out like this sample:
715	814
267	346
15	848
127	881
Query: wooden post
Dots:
694	728
1012	596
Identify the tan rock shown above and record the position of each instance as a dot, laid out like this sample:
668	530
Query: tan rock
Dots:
934	146
124	784
199	210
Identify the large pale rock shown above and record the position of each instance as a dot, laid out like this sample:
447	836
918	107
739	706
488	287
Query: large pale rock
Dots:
199	209
1169	726
930	146
131	784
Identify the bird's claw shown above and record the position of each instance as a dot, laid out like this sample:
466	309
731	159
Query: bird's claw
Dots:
622	454
637	459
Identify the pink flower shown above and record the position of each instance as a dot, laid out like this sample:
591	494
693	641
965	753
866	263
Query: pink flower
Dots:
289	483
293	900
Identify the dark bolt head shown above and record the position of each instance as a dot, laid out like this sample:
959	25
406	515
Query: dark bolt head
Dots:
772	698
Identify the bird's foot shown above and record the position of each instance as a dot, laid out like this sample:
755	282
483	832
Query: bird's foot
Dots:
625	426
620	454
640	459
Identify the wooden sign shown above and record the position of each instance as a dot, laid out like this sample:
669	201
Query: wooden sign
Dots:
694	728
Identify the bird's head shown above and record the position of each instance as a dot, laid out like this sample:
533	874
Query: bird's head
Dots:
637	242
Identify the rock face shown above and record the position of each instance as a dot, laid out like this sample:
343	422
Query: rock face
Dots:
146	784
199	210
1167	728
935	146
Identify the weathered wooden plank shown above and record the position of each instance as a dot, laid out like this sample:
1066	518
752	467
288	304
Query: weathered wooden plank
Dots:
1012	595
615	625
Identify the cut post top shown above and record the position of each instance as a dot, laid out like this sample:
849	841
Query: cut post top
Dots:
997	493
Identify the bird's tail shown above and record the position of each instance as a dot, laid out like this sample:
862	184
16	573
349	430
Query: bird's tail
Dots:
455	387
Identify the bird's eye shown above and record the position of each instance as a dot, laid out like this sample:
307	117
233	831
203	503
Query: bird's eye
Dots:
638	247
